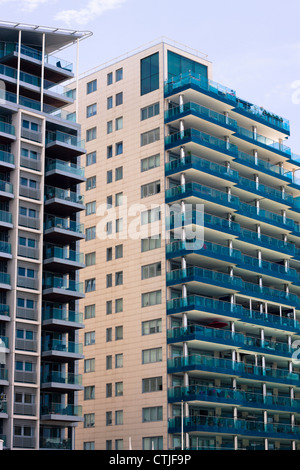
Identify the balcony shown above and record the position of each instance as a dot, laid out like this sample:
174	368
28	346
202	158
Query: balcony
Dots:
6	190
55	443
265	191
207	141
26	345
29	192
199	277
62	259
205	193
242	427
5	281
227	311
28	252
23	376
58	412
5	250
7	161
221	395
61	319
208	249
262	116
268	293
5	220
201	84
62	230
62	202
263	142
61	289
3	376
192	162
61	381
28	282
30	222
4	312
61	350
267	268
266	241
63	174
178	220
7	132
201	112
264	166
65	145
265	216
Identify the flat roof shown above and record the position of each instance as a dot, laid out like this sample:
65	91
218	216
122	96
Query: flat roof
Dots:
55	38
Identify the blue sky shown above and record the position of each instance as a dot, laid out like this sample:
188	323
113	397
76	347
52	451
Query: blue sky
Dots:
254	46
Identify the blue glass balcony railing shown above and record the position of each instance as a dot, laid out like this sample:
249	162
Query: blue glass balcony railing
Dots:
198	163
210	221
267	241
202	84
204	276
268	268
265	216
4	278
6	217
262	165
203	192
208	249
4	341
215	335
262	115
201	112
57	408
63	346
65	224
219	307
265	191
201	138
5	247
264	141
238	397
68	167
3	374
4	310
62	315
276	295
6	187
63	254
62	283
7	157
63	194
62	378
65	138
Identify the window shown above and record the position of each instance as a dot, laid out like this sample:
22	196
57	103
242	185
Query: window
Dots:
119	225
119	389
89	445
155	443
119	361
119	148
150	111
152	384
71	94
119	444
150	189
151	327
108	362
151	270
118	333
89	365
119	75
118	305
108	418
178	64
90	285
90	259
109	176
151	298
150	136
119	199
108	335
89	338
109	127
119	251
150	73
119	173
109	254
89	392
90	183
152	413
151	355
108	444
109	153
119	99
150	162
108	307
118	417
109	202
109	102
90	208
91	86
108	280
119	123
90	158
109	228
151	243
90	233
109	78
91	134
91	110
151	215
119	278
109	390
89	311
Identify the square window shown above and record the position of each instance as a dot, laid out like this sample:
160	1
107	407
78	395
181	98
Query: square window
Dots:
91	87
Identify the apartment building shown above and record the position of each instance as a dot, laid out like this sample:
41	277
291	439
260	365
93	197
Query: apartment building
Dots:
40	202
189	343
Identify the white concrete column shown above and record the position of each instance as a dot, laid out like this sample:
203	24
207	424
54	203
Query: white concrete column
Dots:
43	73
181	103
182	152
254	128
255	154
19	66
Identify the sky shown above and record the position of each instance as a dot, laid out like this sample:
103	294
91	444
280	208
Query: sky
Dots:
254	46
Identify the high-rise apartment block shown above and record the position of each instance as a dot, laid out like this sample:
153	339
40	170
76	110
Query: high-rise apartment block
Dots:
188	343
40	202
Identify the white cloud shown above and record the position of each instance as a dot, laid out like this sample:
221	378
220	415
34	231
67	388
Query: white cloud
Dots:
27	6
91	10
